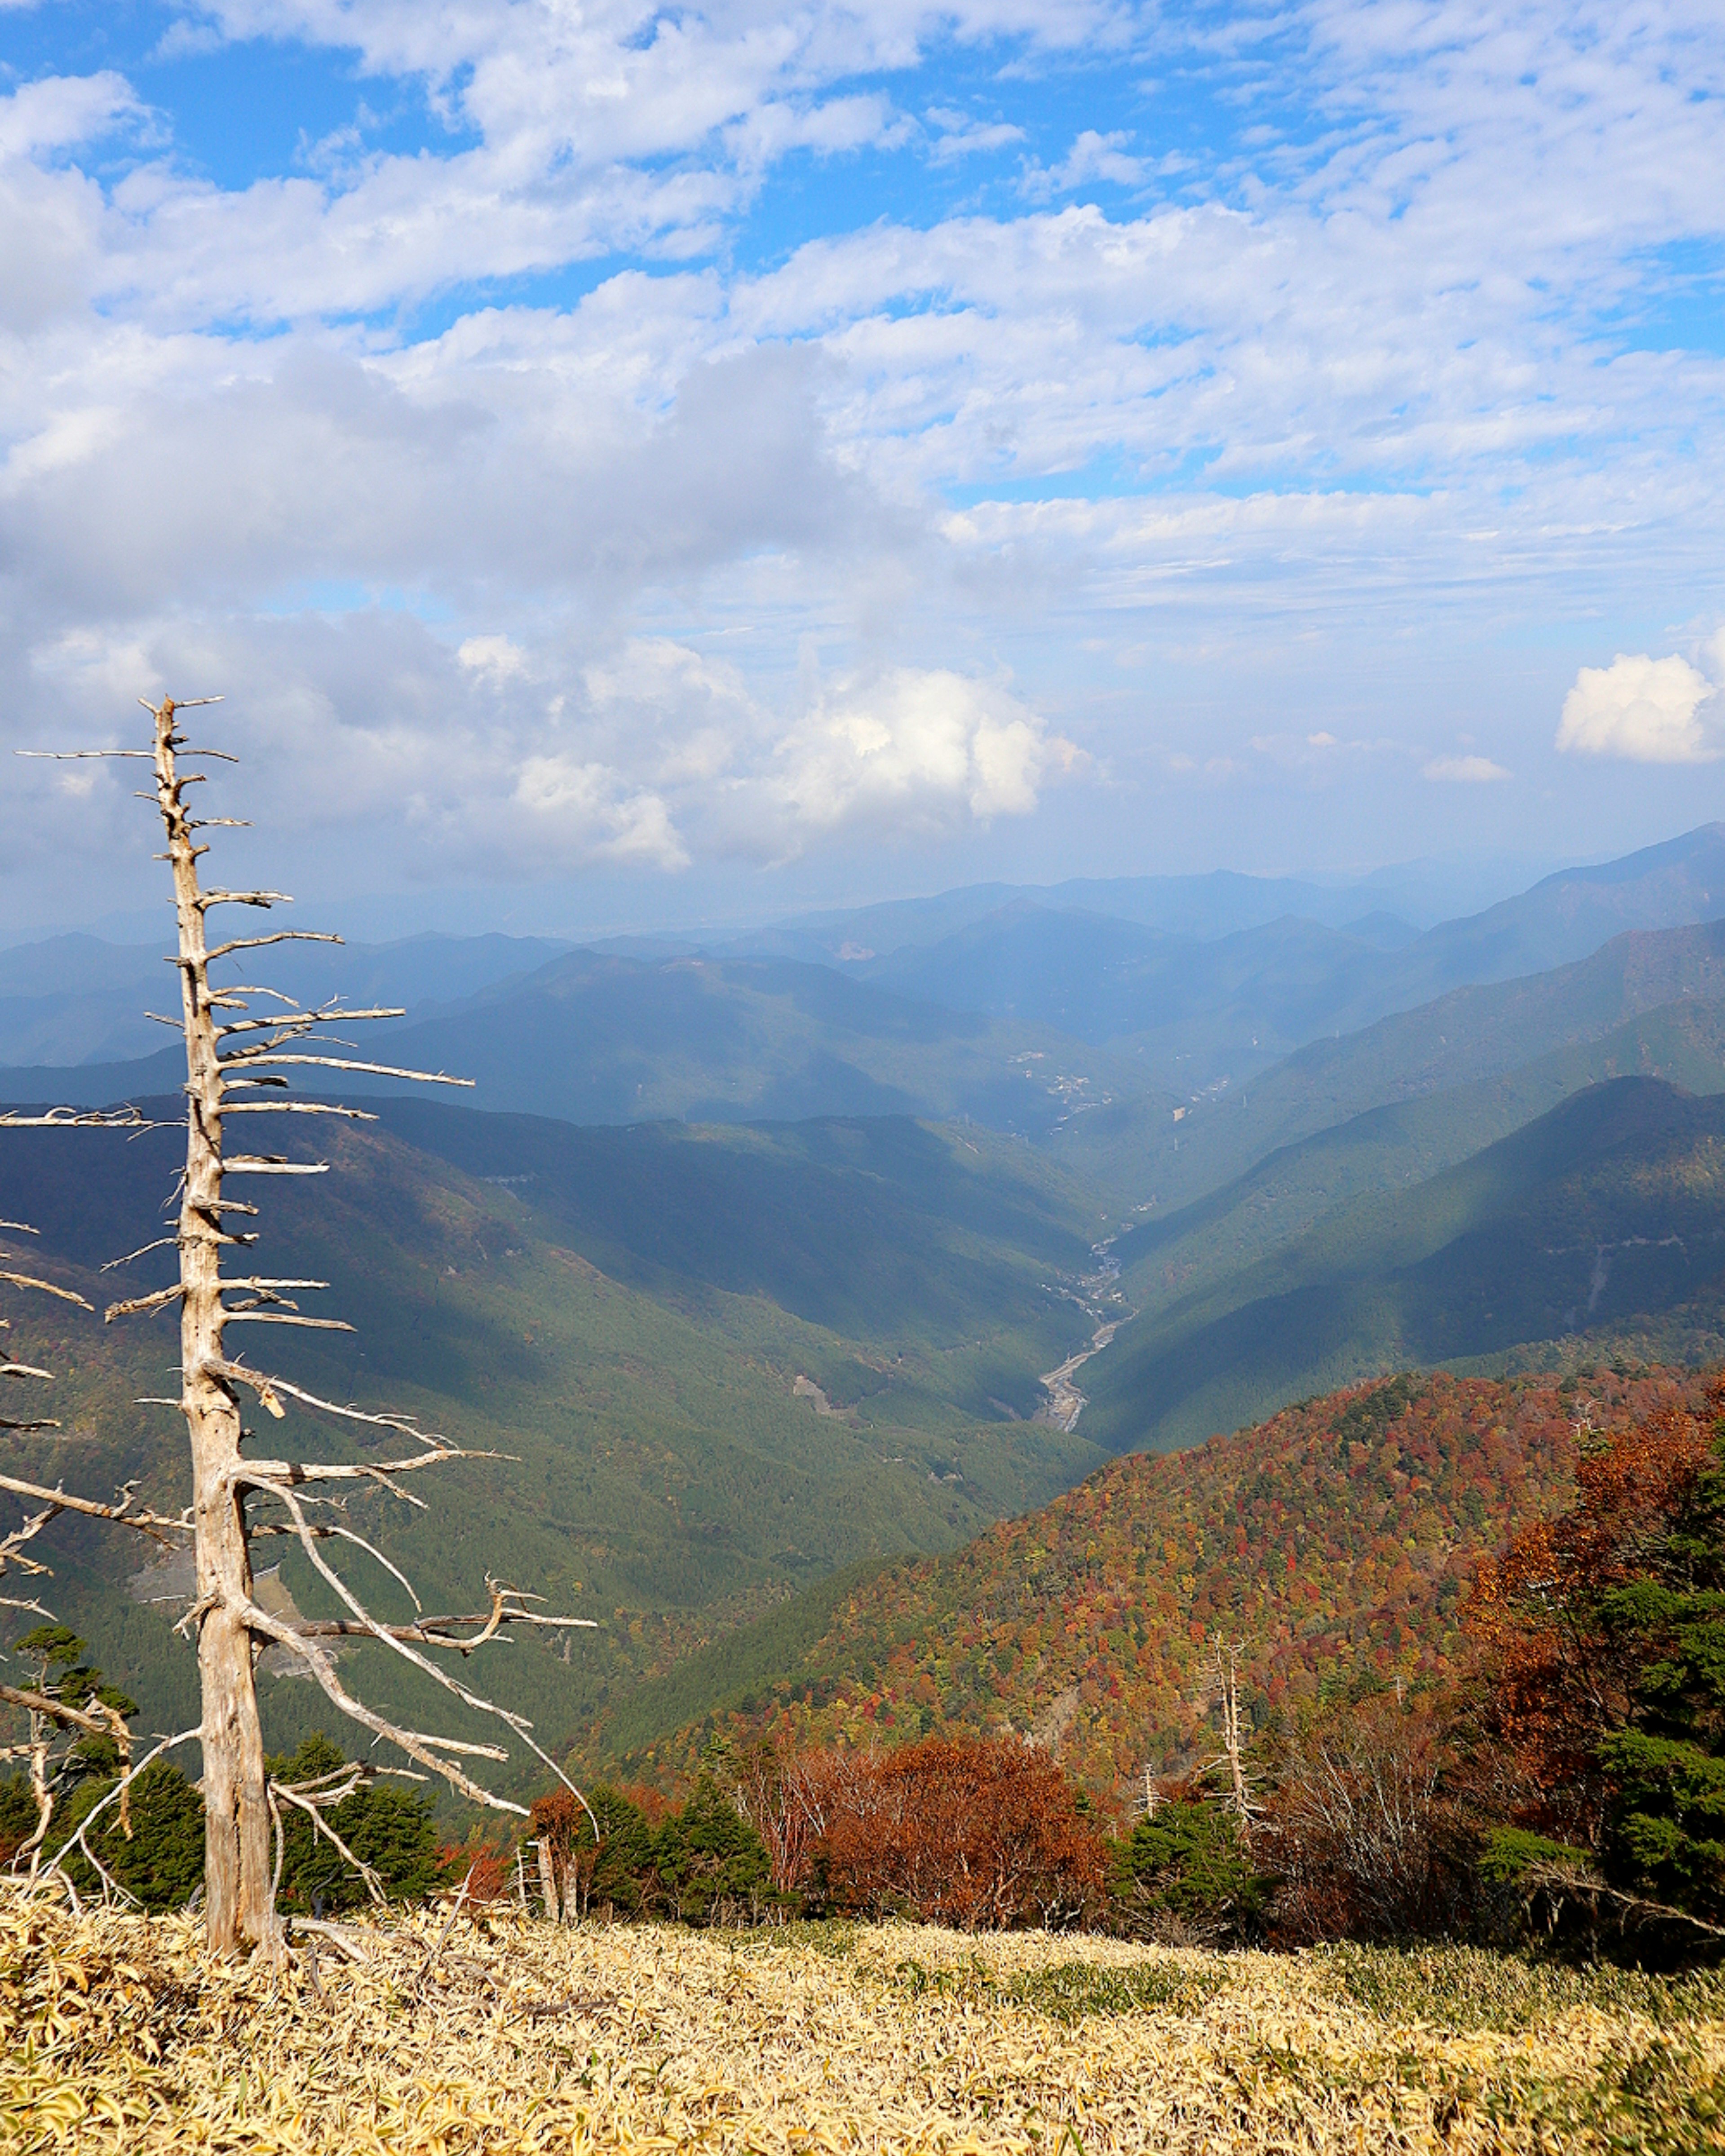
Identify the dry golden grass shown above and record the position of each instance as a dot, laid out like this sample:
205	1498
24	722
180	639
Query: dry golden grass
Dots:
118	2035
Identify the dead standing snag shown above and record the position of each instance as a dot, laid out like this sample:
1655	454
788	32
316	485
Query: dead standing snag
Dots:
240	1040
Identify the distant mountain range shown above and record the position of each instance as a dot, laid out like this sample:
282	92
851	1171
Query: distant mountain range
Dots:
752	1261
1194	1010
977	998
78	999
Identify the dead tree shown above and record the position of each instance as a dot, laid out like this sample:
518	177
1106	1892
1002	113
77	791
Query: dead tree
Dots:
241	1040
1223	1676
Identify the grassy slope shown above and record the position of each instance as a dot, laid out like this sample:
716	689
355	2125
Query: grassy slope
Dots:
1609	1208
119	2038
1333	1542
667	1479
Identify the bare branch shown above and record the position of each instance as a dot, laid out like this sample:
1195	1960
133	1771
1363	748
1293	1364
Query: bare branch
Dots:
335	1580
159	1301
153	1524
258	1283
297	1018
416	1743
161	1243
276	1475
292	1794
433	1631
48	1287
268	1389
81	755
272	1164
127	1118
258	942
342	1062
285	1317
294	1108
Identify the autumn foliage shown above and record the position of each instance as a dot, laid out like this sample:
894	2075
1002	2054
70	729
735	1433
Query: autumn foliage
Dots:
1602	1698
986	1836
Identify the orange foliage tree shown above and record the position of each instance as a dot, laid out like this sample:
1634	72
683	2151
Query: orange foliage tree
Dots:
983	1834
1603	1639
1559	1681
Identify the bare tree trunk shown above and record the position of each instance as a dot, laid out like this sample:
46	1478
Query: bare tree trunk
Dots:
238	1910
232	1627
1227	1666
547	1879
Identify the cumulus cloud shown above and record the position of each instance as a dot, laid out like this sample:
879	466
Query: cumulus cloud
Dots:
1646	711
909	747
494	658
583	811
60	111
1464	770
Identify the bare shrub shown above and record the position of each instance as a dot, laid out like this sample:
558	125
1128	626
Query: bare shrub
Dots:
1361	1832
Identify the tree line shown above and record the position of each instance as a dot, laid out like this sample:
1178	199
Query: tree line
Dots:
1569	1787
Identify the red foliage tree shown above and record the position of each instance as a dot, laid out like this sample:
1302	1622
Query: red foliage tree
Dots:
983	1834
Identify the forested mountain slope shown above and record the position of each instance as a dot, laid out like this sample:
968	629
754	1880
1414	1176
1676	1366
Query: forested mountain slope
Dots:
1332	1543
1601	1216
1171	1254
1150	1153
670	1462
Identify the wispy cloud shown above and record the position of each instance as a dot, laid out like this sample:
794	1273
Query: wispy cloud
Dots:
1464	770
1092	156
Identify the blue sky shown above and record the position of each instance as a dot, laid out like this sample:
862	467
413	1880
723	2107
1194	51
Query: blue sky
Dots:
627	464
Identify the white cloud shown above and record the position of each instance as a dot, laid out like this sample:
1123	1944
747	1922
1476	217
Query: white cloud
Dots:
958	134
1464	770
495	658
1647	710
916	745
60	111
1298	438
582	811
1092	156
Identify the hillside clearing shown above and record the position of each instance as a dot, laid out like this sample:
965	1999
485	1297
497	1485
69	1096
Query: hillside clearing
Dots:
513	2036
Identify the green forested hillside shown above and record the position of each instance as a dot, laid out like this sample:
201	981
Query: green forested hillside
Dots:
881	1227
601	1037
1175	1253
668	1475
1331	1543
1599	1215
1159	1154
